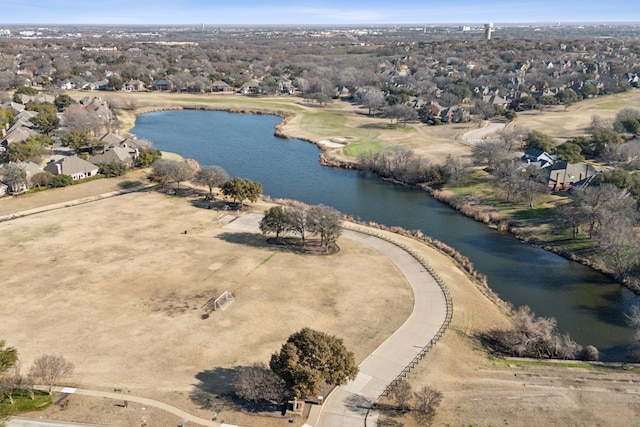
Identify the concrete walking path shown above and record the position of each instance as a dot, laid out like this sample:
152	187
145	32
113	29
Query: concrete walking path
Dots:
349	405
121	397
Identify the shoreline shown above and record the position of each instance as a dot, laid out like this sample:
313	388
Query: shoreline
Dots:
329	159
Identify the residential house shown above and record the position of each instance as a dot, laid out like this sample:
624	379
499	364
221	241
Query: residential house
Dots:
119	155
42	98
220	86
30	169
16	107
251	87
162	85
98	108
455	115
197	86
285	85
99	85
17	134
134	85
539	157
563	175
73	166
496	100
110	138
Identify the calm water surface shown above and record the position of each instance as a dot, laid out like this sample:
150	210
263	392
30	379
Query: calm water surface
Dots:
587	305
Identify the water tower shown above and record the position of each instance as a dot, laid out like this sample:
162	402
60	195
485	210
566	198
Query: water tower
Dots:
488	29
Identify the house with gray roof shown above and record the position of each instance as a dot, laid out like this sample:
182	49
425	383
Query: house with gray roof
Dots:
563	175
17	134
110	138
118	155
134	85
73	166
220	86
162	85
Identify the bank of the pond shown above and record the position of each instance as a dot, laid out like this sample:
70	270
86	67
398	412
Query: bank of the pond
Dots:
481	213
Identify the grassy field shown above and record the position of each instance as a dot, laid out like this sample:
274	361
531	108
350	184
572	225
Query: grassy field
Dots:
576	119
137	277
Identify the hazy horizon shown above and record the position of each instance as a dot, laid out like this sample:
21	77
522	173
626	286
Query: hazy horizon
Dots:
306	13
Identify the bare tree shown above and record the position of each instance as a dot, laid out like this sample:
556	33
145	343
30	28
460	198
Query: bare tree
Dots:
76	117
619	246
401	393
512	137
533	184
50	369
370	97
296	220
10	380
427	400
15	177
165	171
211	176
324	220
489	152
456	171
257	383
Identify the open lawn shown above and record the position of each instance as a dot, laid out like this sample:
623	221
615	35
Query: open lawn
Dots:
575	121
119	289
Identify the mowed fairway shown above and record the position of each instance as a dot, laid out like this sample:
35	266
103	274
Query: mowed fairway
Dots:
118	288
575	120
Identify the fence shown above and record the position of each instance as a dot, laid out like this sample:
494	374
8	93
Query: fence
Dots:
445	291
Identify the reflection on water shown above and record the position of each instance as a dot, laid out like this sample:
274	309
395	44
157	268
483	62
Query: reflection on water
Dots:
586	304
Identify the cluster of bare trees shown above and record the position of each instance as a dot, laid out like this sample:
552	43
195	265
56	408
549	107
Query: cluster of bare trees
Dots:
401	165
301	220
422	403
535	337
47	371
608	214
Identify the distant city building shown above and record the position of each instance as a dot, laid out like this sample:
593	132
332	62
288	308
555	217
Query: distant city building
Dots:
5	32
488	29
465	29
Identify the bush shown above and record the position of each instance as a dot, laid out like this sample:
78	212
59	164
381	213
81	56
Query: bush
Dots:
534	337
60	181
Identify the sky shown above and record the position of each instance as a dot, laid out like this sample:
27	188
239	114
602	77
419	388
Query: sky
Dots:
309	12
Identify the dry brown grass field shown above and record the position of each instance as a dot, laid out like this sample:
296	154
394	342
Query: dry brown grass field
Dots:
574	121
117	287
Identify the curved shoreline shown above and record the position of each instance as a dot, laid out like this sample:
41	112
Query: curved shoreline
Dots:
327	159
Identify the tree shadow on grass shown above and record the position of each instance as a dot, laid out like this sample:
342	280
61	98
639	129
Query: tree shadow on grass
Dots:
215	204
244	238
215	391
130	184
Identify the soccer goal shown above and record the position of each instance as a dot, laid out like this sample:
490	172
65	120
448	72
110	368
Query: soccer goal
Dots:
223	301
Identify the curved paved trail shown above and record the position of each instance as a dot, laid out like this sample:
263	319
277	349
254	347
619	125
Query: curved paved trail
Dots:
477	135
349	405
